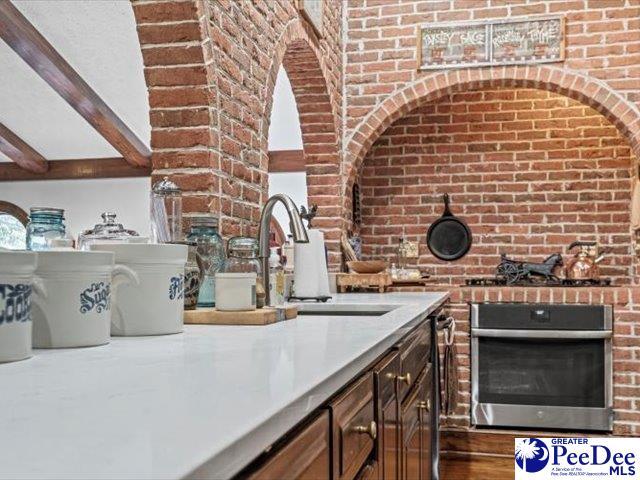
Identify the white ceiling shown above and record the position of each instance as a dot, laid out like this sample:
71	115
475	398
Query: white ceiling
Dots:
98	38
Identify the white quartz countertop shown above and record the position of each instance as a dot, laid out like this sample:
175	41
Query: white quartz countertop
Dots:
203	403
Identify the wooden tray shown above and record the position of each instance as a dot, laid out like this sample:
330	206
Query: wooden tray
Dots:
261	316
379	281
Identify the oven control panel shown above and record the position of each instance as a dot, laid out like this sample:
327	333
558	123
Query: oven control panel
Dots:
542	316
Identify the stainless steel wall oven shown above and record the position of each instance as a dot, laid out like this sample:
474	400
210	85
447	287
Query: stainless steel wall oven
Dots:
541	366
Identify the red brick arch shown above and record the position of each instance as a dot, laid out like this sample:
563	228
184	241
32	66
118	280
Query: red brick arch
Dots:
297	51
589	91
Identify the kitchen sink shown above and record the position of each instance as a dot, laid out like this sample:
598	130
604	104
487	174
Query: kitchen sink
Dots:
344	310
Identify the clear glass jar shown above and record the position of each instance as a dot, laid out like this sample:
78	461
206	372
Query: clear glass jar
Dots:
45	224
210	251
166	212
242	257
109	231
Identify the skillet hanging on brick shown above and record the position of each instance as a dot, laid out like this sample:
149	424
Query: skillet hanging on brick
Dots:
449	237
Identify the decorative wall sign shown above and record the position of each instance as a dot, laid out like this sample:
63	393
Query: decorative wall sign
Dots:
312	11
479	44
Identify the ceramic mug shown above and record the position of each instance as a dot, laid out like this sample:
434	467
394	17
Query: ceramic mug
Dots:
76	311
17	281
155	306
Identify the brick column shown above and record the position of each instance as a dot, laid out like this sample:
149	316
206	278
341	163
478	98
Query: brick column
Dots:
178	63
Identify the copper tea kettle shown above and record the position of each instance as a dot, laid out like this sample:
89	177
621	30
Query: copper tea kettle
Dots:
584	265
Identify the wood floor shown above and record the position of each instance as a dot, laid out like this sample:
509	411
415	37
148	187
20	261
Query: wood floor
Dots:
480	454
465	466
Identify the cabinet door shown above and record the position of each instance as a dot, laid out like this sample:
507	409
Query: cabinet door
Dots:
425	418
304	457
414	353
416	430
387	417
354	429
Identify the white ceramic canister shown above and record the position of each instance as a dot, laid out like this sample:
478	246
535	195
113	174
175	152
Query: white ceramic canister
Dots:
17	281
156	305
76	311
235	291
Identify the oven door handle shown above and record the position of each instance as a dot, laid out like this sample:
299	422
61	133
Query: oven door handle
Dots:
552	334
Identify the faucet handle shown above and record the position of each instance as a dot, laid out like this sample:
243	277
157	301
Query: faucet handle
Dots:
308	215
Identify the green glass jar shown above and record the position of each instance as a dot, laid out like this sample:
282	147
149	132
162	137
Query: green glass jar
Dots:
45	224
210	253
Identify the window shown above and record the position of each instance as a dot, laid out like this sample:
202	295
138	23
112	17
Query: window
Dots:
13	221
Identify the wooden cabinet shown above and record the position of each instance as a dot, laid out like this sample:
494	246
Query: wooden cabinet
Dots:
414	355
305	457
404	391
387	416
380	427
354	429
416	430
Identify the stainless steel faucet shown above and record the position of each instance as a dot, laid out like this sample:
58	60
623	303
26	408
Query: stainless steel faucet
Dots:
295	225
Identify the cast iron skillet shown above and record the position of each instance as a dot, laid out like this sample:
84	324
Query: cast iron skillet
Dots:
449	237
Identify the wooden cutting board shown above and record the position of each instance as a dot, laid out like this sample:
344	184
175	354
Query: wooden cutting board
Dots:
261	316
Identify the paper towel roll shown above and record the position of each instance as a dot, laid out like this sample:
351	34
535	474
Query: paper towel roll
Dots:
311	277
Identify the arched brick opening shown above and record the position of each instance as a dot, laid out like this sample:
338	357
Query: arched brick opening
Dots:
176	52
297	51
591	92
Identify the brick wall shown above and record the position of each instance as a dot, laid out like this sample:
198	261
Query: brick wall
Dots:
210	68
530	171
602	66
562	171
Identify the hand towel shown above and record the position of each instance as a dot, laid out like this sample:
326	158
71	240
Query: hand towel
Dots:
449	400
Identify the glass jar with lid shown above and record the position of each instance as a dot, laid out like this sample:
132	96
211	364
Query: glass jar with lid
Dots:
109	231
242	257
166	212
45	225
210	253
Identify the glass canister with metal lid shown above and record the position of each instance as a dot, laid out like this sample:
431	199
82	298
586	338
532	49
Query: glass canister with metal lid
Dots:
242	257
106	232
45	225
210	250
166	212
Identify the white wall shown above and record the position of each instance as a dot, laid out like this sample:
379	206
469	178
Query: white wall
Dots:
284	130
98	38
85	200
284	134
293	184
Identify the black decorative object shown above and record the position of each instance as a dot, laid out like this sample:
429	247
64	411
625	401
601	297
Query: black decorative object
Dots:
449	237
516	271
355	204
308	215
564	282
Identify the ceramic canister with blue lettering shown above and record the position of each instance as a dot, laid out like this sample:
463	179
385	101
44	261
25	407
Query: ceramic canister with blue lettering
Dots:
77	309
154	306
17	282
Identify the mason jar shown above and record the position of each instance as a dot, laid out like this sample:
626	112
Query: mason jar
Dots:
45	224
210	251
242	257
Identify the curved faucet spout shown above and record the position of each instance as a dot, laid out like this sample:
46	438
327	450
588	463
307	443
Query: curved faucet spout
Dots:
295	224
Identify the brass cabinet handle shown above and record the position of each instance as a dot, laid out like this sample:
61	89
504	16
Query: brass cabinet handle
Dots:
371	430
425	405
405	378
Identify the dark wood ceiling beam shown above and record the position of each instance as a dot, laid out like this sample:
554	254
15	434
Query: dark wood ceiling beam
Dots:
21	152
34	49
281	161
75	169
